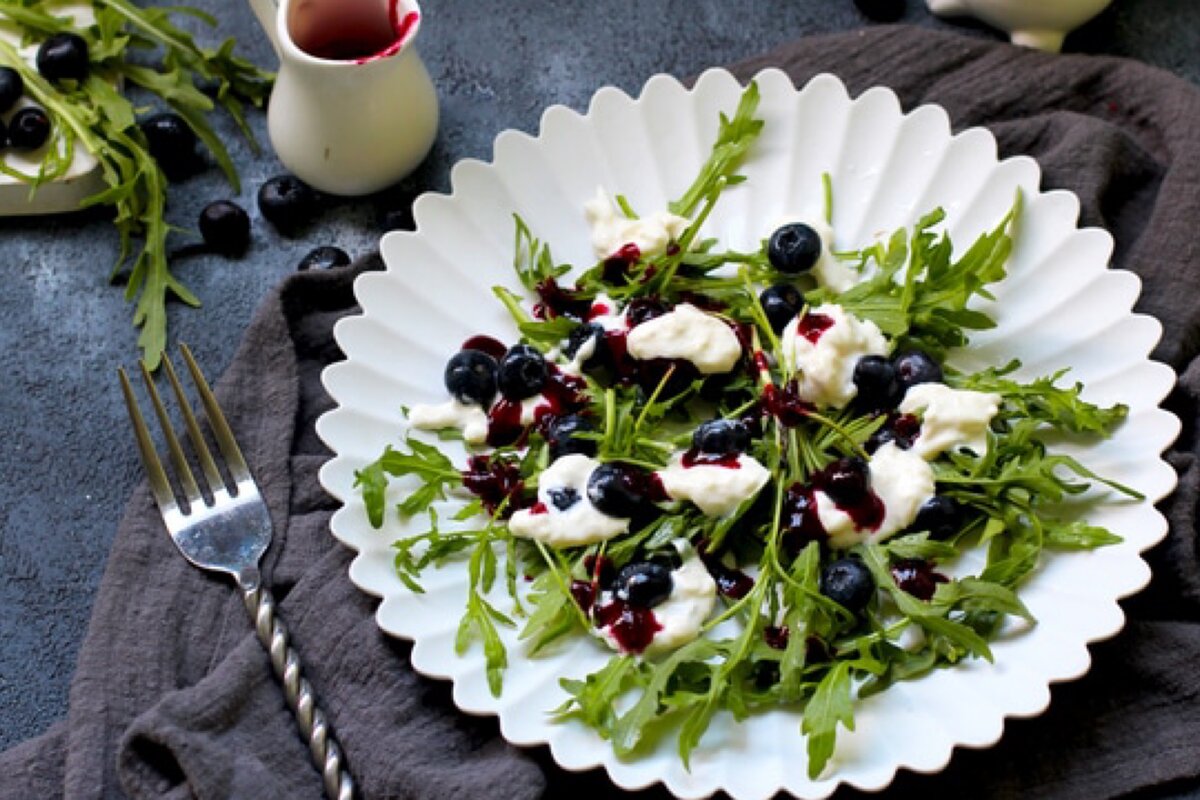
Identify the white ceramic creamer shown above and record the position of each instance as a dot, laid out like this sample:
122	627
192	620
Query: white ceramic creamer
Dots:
353	109
1041	24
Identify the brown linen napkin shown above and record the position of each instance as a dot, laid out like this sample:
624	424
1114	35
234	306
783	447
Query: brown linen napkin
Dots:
173	698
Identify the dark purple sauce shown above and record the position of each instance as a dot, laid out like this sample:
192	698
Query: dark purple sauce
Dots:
867	513
584	594
811	326
555	301
486	344
561	394
776	637
617	266
730	582
785	404
632	626
916	576
493	481
694	457
799	521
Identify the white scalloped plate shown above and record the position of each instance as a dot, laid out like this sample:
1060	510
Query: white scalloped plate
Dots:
1060	306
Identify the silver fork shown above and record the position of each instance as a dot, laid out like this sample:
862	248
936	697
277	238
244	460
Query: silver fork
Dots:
228	531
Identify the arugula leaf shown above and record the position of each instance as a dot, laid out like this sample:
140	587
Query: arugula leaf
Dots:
830	705
435	471
734	138
1043	400
93	115
1077	535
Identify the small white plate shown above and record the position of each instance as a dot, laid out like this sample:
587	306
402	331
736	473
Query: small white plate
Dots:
1061	306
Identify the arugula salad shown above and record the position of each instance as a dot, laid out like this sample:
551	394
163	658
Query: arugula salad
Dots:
746	473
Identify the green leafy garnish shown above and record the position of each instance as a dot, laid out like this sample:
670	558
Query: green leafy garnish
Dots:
92	114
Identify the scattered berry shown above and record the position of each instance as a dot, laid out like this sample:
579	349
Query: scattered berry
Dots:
875	378
29	128
589	331
64	56
915	366
562	439
781	303
172	143
848	582
846	481
881	10
794	248
721	436
940	515
471	377
522	372
11	88
225	227
616	490
324	257
644	584
287	202
563	498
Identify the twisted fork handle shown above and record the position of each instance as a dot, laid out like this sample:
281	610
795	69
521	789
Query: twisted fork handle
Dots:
310	719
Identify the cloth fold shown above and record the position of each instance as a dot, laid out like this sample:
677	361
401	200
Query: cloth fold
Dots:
173	697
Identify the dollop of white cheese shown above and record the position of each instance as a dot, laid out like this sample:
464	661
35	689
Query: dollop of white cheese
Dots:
612	230
827	366
902	481
682	614
578	524
829	270
687	333
950	417
716	490
471	419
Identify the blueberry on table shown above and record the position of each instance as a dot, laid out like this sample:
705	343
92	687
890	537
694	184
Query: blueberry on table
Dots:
522	372
721	436
875	378
11	89
940	515
287	202
172	143
324	257
562	438
225	227
848	583
64	56
644	584
794	248
616	490
471	377
846	481
914	367
781	303
29	128
881	10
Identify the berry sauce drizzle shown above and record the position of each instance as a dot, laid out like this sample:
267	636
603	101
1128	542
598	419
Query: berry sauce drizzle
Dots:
493	481
632	626
811	326
486	344
617	266
730	582
785	404
800	522
776	636
867	513
694	457
916	576
561	394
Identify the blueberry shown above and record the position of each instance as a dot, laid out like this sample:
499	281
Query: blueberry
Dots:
172	143
3	134
563	441
324	257
644	309
588	332
63	56
941	516
563	498
522	372
846	481
794	248
11	88
848	582
29	128
916	366
225	227
644	584
781	303
287	202
721	436
471	377
875	378
881	10
616	490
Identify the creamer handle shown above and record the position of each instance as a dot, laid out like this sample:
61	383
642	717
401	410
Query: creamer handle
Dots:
267	12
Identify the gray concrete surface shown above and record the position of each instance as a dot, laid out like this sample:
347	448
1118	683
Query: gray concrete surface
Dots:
66	459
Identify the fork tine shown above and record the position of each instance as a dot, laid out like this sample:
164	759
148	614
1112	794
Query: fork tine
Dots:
203	454
216	420
159	485
190	490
